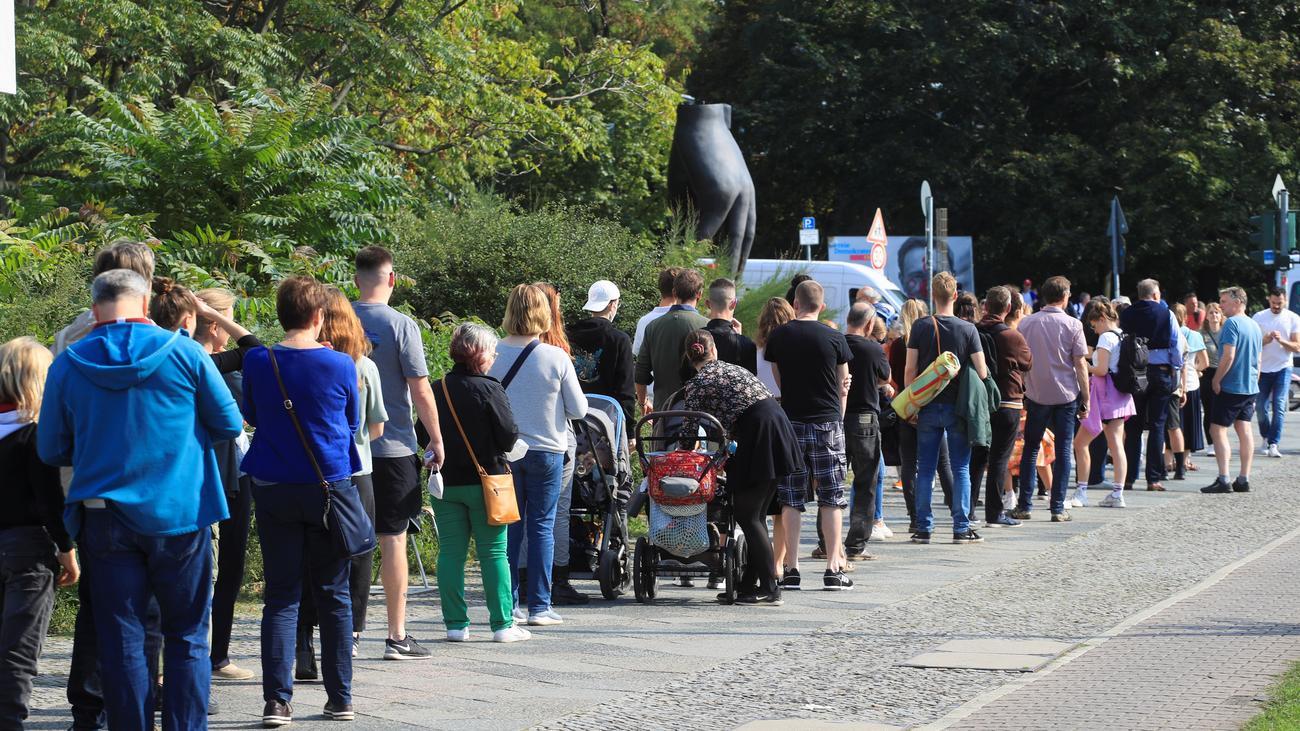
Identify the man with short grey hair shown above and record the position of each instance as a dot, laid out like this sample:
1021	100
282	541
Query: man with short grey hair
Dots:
144	493
1236	385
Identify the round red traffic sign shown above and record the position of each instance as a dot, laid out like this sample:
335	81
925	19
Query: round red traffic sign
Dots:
878	256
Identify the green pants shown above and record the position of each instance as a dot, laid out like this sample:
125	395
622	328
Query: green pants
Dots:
460	512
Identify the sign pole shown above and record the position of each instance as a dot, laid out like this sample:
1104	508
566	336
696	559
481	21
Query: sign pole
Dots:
1114	248
927	208
1283	240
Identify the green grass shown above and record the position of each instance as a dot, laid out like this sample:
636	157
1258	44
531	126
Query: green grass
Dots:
1283	710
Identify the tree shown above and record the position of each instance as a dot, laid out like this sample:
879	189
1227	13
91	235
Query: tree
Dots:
1025	117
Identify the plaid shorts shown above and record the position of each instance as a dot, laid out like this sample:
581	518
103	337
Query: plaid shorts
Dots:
822	446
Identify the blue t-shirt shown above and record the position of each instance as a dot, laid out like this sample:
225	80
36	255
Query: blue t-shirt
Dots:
322	384
1242	333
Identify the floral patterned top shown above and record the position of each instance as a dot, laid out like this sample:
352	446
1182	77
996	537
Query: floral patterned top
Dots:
724	391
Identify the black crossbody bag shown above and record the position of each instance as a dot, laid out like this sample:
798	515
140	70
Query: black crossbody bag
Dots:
351	530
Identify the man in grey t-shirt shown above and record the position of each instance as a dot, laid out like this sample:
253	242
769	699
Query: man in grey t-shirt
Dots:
404	378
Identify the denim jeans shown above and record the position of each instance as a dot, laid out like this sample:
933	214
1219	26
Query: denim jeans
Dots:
1152	414
880	489
936	425
124	568
297	548
1271	404
1062	419
862	442
27	572
538	478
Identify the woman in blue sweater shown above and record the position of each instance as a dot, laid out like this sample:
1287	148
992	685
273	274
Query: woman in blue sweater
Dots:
322	385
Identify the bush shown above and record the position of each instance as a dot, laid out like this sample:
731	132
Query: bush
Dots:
467	259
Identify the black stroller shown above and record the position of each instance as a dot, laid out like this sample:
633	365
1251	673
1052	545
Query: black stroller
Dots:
693	529
602	484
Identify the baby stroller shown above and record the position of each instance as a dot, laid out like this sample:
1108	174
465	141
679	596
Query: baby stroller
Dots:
693	530
602	484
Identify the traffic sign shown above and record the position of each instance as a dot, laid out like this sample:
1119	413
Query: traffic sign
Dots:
808	237
808	223
879	255
1278	186
925	198
877	233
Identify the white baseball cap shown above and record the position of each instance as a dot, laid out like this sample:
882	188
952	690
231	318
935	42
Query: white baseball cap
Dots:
600	294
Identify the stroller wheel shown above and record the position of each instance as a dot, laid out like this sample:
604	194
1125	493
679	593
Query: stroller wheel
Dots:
612	573
643	574
730	572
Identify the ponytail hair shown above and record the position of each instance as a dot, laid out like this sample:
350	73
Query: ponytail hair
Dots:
170	304
699	348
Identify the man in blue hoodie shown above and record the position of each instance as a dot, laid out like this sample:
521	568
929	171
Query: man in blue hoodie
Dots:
135	409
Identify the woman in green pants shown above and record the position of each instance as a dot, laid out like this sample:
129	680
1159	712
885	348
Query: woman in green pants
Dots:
480	411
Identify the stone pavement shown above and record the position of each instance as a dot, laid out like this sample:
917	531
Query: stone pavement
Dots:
1198	664
829	657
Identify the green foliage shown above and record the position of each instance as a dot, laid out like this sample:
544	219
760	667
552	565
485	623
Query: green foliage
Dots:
468	259
1283	710
1024	117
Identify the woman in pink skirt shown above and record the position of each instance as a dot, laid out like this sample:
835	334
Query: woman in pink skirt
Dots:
1108	408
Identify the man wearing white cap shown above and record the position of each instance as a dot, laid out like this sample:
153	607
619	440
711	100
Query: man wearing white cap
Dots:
602	354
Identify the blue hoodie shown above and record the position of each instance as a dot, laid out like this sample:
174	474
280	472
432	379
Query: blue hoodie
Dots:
135	409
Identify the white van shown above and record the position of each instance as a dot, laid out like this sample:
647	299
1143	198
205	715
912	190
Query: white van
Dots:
840	279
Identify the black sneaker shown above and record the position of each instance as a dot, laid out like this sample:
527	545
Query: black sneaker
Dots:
970	536
790	581
407	649
276	714
1241	484
773	599
1219	485
836	581
339	711
1061	517
1021	514
921	536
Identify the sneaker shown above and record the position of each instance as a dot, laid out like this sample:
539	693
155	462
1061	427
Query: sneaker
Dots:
356	644
685	582
339	711
213	707
790	581
232	672
970	536
1219	485
1241	484
1061	517
276	714
921	536
513	633
1009	498
520	614
1274	452
819	553
715	583
1020	514
1114	500
1080	499
881	529
1004	521
545	619
773	599
407	649
458	635
836	581
861	556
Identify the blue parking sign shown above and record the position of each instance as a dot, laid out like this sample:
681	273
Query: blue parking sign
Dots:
808	222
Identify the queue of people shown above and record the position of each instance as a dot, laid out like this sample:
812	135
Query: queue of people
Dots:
342	412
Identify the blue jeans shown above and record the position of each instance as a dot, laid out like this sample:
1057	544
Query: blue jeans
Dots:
124	568
936	422
538	477
1272	402
880	490
1062	419
297	548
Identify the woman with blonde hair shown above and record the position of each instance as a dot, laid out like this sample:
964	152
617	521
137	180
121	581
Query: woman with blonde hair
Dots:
37	550
1211	326
776	312
545	395
342	331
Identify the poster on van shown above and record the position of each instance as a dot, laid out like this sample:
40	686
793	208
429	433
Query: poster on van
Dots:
906	264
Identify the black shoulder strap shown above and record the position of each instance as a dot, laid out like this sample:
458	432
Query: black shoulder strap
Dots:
519	362
293	416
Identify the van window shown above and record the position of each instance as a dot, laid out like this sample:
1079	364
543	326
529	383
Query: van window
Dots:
1293	302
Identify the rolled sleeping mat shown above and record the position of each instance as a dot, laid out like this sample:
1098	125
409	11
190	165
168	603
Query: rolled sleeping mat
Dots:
927	386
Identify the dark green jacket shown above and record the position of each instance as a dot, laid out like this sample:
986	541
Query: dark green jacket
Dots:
976	402
660	359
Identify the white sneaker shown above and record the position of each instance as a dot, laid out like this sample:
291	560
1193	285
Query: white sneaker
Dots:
458	635
520	614
1009	500
884	529
1080	497
1273	451
879	531
1209	451
514	633
1114	500
545	619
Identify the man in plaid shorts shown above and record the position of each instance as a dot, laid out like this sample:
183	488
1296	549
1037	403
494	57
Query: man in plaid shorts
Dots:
811	364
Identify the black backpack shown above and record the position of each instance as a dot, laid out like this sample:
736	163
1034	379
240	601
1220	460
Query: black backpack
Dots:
1130	375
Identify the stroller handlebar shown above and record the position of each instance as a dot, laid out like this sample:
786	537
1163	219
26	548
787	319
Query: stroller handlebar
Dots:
713	431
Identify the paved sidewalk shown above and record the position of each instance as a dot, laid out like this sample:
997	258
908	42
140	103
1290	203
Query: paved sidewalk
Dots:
687	662
1199	664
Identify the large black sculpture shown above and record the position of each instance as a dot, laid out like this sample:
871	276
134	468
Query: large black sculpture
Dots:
707	175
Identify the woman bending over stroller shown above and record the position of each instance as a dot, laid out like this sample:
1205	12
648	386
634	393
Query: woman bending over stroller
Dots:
764	453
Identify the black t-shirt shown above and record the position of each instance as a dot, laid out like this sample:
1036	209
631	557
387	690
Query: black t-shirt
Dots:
869	367
956	335
808	355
